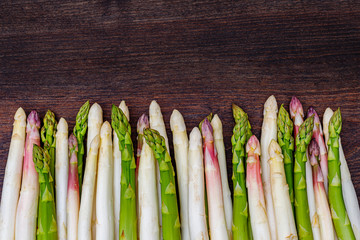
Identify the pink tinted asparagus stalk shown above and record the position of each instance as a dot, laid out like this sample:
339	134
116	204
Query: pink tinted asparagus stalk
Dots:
216	210
73	200
142	123
319	138
25	227
297	114
257	208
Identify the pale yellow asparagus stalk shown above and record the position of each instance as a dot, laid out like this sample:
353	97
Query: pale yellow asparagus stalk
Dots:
12	179
268	132
181	145
88	191
117	172
197	217
220	149
61	176
157	123
348	189
95	121
284	216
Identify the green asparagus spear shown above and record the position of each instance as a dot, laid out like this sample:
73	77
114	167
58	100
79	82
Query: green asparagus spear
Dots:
286	142
46	227
79	132
338	212
128	218
303	138
241	134
169	206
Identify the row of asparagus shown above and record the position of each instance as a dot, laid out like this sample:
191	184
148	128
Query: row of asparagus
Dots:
295	186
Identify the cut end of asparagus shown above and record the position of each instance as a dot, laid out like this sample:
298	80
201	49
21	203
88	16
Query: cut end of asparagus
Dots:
207	131
314	152
274	149
296	107
125	109
33	120
270	105
142	123
177	122
73	145
335	123
253	146
195	138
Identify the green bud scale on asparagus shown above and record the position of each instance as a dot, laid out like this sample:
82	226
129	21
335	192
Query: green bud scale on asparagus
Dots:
79	132
241	134
128	217
302	214
286	142
48	137
338	212
46	227
169	206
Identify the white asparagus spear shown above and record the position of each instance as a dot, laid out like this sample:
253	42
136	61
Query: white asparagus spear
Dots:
284	216
104	189
220	149
257	207
268	132
157	123
12	179
26	213
117	172
61	176
348	189
147	196
95	120
197	216
181	146
88	191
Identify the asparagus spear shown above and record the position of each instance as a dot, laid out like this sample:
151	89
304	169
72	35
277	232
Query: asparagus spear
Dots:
286	142
348	189
241	134
339	215
47	227
61	176
181	146
322	205
142	123
48	138
26	212
259	220
301	201
197	216
169	207
73	198
12	179
279	188
79	132
128	219
217	222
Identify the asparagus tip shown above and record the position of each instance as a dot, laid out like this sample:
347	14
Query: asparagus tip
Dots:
312	112
314	152
142	123
253	145
270	105
296	107
33	119
206	130
73	145
274	149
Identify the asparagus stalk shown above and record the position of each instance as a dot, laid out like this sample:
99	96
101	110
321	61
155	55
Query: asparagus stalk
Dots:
73	198
128	219
322	205
259	220
26	212
88	192
197	216
268	132
142	123
348	189
285	223
339	215
181	146
61	177
169	207
220	149
286	142
117	172
303	138
148	212
217	222
104	190
318	136
46	226
241	134
12	179
79	132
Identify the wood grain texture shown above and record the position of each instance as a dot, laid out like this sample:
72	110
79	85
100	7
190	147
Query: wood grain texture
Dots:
195	56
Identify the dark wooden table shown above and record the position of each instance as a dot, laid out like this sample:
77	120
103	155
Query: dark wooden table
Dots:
195	56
